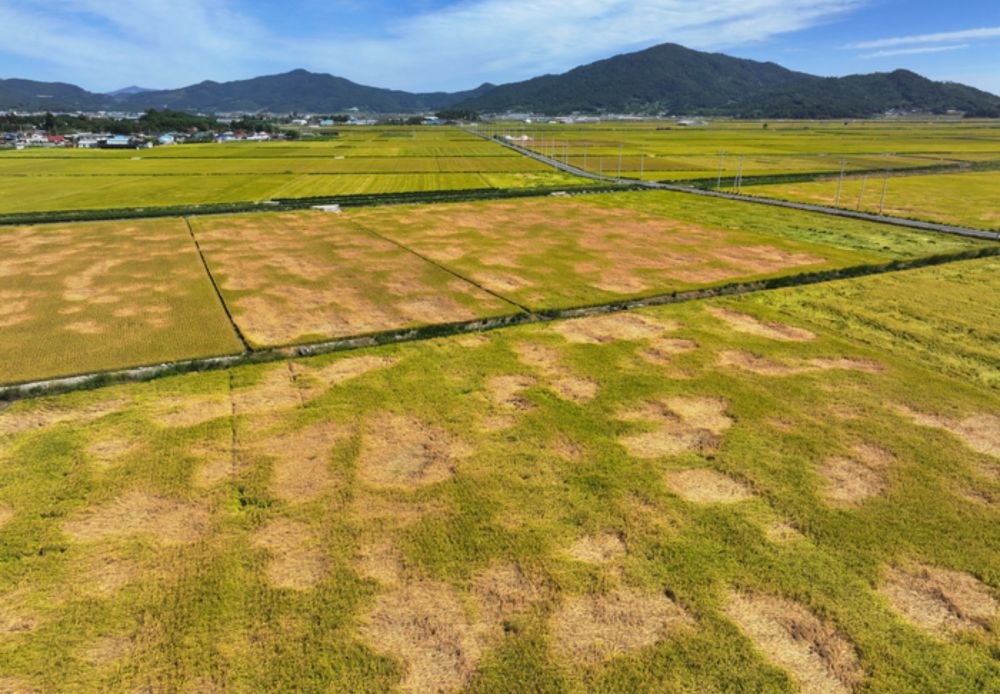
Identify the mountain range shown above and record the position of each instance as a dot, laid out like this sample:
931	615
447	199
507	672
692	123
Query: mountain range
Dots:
663	79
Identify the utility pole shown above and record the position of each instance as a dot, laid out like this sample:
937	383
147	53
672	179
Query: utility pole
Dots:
722	164
621	148
885	185
861	196
840	182
739	177
642	165
585	147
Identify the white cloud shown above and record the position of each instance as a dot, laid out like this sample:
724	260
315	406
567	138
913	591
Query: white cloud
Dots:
107	43
915	51
944	37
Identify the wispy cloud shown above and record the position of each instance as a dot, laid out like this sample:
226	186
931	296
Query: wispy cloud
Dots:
915	51
105	43
944	37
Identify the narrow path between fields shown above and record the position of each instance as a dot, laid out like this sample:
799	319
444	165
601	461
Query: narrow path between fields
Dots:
371	232
218	291
806	207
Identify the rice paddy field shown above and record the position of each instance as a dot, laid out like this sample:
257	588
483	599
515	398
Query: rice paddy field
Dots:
359	161
665	151
792	490
966	199
568	252
310	276
92	296
78	298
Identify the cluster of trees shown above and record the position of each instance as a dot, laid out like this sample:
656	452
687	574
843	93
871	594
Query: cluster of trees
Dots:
152	122
458	114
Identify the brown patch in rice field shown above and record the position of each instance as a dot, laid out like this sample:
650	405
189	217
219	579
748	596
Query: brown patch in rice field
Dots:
5	515
940	600
703	275
782	532
563	382
593	628
168	520
504	591
503	281
662	350
812	650
597	549
191	411
682	424
472	341
426	627
381	561
368	506
845	412
16	685
847	480
845	364
618	281
20	421
220	462
980	432
758	365
106	650
353	367
768	367
506	391
14	621
569	450
89	327
109	452
105	573
404	452
612	327
296	560
277	390
703	486
301	470
980	496
434	309
742	323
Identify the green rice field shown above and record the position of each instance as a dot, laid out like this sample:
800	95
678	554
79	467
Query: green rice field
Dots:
965	199
361	161
665	151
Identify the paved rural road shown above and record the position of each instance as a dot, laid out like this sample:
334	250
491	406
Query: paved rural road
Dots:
882	219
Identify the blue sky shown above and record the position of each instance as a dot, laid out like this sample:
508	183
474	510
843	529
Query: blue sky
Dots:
457	44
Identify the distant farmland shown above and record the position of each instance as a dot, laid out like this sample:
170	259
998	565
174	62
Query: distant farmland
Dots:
359	162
